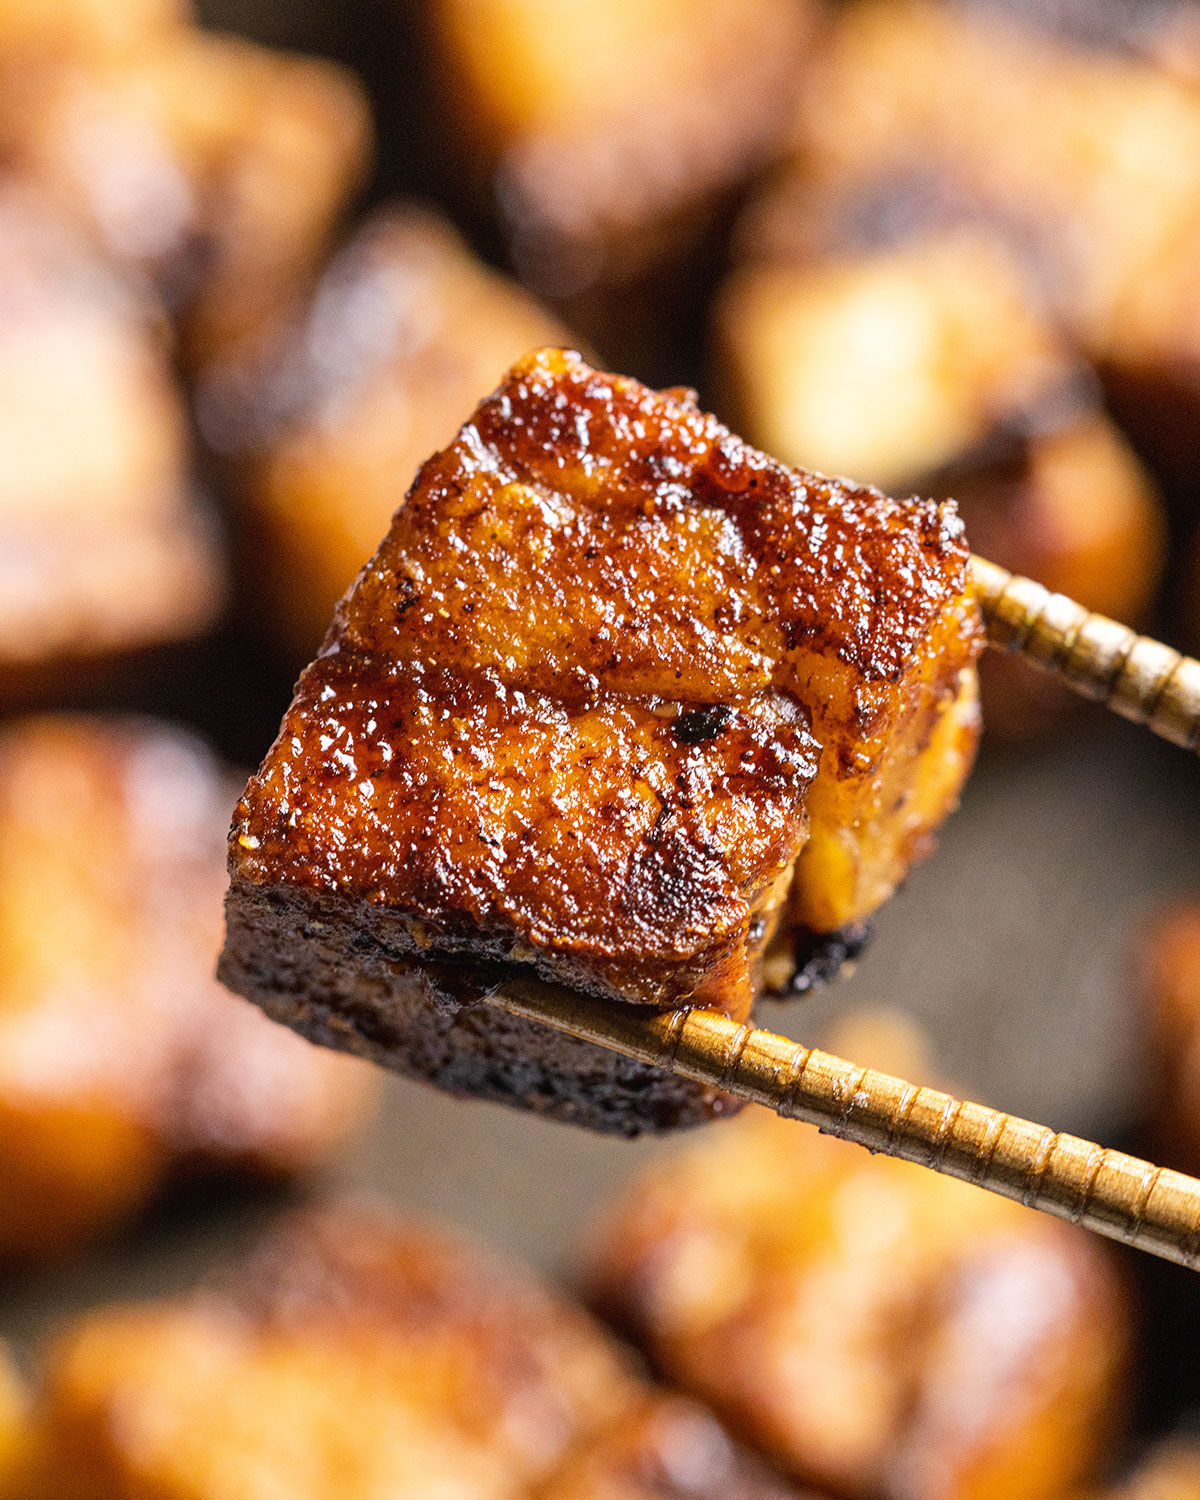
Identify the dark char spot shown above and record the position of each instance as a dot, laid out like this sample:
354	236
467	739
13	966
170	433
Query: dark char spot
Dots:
699	724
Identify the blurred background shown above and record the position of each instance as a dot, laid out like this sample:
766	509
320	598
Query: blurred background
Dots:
256	263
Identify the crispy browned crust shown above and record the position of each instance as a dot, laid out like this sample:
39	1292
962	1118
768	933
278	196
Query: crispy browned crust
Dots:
568	716
333	975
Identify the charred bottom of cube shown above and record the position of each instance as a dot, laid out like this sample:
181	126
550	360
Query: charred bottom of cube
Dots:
326	971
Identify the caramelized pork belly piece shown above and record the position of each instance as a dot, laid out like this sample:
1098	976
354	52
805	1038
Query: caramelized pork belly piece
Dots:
354	1357
1169	983
965	112
618	701
102	548
328	426
120	1056
613	132
217	167
870	1326
927	366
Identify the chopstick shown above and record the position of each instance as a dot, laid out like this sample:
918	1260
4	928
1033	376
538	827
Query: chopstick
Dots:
1120	1196
1135	676
1116	1195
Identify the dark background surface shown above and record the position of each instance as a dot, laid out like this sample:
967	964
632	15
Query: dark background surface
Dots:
1015	944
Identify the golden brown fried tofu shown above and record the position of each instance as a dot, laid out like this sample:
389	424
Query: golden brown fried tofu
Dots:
612	131
928	366
1169	982
618	701
403	334
120	1056
871	1327
216	166
355	1358
102	546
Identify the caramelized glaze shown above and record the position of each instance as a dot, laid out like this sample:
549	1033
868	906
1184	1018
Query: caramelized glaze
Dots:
569	713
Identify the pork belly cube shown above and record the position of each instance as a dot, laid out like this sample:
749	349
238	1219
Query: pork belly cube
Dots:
926	365
871	1327
1169	984
102	546
618	701
218	167
328	427
120	1056
612	133
351	1358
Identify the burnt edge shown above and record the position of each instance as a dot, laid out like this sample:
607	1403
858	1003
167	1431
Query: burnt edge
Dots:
820	957
313	964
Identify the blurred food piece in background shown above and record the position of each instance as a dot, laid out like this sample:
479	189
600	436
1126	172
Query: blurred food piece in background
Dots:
217	168
613	136
121	1058
870	1326
356	1356
13	1422
1163	32
1168	962
927	367
103	547
1087	163
84	28
1169	1472
328	424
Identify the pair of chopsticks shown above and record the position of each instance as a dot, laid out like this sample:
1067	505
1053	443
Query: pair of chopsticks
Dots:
1117	1195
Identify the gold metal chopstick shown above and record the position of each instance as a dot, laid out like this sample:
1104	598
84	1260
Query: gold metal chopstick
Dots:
1114	1194
1135	676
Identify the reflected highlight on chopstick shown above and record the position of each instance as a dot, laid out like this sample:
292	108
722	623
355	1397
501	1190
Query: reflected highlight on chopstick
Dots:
1120	1196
